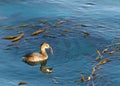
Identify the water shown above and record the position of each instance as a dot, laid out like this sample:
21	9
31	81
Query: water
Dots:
74	54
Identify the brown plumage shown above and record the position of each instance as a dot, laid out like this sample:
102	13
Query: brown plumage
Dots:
37	57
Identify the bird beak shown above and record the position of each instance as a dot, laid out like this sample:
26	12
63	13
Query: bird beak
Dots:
51	50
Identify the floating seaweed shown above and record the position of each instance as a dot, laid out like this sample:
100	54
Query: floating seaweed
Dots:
89	78
81	80
8	28
5	26
65	30
23	26
9	37
116	44
31	25
85	25
37	32
18	37
85	33
105	50
114	51
94	69
59	23
97	66
50	36
43	20
22	83
104	61
99	55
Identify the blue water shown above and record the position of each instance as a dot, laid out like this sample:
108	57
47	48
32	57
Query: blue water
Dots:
74	54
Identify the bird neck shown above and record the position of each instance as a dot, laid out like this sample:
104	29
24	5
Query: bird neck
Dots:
43	51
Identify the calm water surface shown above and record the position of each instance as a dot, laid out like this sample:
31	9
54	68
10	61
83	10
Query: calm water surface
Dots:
74	54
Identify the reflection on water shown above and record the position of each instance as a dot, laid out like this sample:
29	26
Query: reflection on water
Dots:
75	29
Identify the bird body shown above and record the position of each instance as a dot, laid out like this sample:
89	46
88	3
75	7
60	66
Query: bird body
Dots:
34	57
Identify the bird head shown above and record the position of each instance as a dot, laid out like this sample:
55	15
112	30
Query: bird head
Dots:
47	46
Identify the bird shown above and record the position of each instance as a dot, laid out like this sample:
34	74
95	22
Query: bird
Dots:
35	58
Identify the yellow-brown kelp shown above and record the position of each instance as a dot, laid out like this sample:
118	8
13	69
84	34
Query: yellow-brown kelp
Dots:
37	32
97	67
89	78
23	26
10	37
59	23
116	44
43	20
65	30
105	50
8	28
99	55
22	83
82	79
94	69
104	61
114	51
18	37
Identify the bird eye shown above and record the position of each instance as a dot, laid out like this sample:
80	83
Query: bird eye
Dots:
47	46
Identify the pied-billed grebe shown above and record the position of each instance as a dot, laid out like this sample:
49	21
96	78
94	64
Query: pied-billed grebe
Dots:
36	57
